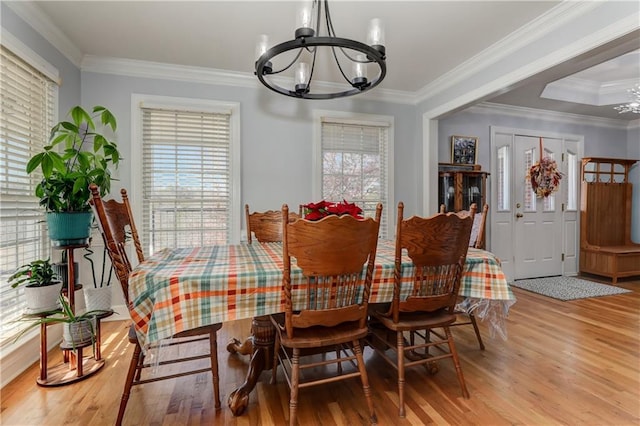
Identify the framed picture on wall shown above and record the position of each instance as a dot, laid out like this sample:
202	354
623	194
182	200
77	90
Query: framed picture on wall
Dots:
464	149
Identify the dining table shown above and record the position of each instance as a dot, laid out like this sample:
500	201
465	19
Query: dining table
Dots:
183	288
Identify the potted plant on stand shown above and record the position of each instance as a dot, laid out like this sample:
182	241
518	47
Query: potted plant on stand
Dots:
78	329
42	286
85	158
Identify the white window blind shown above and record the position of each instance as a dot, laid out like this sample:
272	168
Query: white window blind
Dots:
27	102
355	166
186	179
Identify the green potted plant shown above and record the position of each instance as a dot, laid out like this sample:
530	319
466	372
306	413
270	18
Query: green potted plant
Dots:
78	329
86	157
41	285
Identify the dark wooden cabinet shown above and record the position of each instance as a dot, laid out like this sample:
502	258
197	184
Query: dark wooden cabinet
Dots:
459	186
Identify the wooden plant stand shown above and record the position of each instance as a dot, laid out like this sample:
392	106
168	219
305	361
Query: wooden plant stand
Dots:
75	366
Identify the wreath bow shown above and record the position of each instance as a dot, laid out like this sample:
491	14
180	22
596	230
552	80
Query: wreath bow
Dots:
544	176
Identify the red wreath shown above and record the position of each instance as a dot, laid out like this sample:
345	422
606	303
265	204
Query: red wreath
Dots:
544	176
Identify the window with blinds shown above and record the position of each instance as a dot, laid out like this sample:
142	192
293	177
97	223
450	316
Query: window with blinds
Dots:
186	178
27	108
355	166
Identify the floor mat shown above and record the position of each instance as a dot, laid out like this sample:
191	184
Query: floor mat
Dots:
567	288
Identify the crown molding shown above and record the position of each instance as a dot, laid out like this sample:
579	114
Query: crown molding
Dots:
541	114
537	29
615	30
525	35
191	74
584	91
33	15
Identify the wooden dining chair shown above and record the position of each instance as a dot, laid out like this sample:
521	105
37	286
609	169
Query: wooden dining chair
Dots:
476	240
326	307
437	247
265	226
116	225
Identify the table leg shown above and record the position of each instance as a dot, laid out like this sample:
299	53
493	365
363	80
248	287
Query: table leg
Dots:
262	338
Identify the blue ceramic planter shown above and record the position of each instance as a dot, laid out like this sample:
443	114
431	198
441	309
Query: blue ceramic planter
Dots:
69	228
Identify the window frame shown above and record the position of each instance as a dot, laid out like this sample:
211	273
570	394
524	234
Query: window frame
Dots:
187	104
40	65
346	117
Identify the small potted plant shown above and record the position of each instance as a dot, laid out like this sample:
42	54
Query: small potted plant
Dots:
85	158
78	329
42	286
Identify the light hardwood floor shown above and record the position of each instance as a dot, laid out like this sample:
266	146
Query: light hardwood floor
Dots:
570	363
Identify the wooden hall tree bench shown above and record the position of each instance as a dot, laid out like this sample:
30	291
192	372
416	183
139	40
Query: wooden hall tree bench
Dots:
606	248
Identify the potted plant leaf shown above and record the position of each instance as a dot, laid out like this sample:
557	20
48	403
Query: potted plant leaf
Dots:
42	286
79	153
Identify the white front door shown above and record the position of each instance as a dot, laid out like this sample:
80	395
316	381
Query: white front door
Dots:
533	237
538	221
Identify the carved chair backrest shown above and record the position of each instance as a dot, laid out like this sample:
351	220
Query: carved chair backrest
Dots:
336	255
115	220
437	247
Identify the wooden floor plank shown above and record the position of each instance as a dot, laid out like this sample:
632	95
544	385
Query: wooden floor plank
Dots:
574	363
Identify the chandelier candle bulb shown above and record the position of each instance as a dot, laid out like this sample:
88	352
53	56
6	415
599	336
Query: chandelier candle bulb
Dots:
302	76
359	71
375	37
261	47
304	20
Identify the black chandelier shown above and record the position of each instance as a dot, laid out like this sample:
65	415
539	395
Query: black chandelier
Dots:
308	40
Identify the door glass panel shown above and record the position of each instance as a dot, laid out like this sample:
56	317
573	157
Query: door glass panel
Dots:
549	203
504	179
529	196
572	181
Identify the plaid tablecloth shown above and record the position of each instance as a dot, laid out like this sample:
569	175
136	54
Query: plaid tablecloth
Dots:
180	289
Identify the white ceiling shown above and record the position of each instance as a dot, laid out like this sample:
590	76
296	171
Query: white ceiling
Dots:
424	39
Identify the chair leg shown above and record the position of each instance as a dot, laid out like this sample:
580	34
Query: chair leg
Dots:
276	358
364	378
456	362
295	380
213	348
339	363
400	346
133	369
475	327
139	368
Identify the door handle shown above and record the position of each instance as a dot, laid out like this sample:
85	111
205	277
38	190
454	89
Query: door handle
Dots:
519	215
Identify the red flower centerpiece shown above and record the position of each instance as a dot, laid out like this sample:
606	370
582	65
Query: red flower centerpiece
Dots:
316	211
